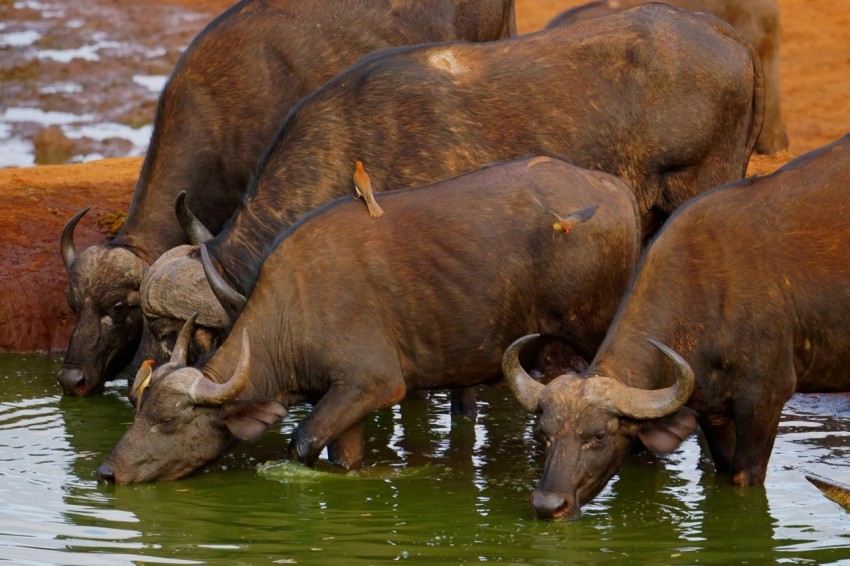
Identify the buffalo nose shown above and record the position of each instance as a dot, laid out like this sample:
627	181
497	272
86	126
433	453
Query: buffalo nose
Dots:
73	381
105	473
550	505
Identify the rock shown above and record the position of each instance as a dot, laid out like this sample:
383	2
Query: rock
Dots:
52	146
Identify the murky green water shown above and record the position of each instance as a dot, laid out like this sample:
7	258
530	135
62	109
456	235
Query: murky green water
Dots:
439	490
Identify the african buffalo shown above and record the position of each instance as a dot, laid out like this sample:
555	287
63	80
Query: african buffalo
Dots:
220	109
756	20
750	283
428	296
668	100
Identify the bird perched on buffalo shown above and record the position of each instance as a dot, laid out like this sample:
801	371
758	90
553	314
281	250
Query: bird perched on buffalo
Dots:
363	187
142	380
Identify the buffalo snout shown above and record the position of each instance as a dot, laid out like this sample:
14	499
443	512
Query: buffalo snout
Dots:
549	505
105	473
73	381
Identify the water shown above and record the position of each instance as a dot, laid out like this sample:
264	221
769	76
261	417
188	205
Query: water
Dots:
437	489
91	70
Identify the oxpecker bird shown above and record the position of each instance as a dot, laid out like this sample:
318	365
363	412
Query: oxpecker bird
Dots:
363	187
143	379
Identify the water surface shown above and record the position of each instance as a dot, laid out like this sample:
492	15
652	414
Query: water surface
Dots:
436	489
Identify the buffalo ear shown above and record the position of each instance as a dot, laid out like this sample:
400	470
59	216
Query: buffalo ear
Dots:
665	434
247	420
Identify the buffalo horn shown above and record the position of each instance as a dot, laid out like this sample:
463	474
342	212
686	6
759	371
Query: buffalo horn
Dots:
838	492
181	347
192	227
207	392
231	300
652	404
524	387
66	242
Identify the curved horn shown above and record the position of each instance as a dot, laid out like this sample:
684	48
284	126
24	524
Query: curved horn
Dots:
66	242
181	347
231	300
838	492
207	392
525	389
652	404
192	227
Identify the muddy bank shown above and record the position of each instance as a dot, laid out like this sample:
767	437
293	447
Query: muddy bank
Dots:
35	202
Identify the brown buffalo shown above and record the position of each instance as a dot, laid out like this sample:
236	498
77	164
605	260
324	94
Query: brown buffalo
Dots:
756	20
425	297
220	109
750	283
665	99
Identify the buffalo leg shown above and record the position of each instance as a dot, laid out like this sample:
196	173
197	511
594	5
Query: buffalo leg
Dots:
346	450
342	407
721	443
753	444
464	401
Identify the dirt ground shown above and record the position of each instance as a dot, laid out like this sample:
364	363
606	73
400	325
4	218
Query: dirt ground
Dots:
35	202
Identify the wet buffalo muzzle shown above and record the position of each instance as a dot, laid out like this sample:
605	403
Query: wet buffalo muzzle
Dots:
549	505
73	381
105	473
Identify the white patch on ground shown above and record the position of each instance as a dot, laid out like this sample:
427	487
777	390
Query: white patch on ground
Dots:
156	53
86	52
15	152
153	83
446	60
65	88
139	137
19	38
18	152
44	118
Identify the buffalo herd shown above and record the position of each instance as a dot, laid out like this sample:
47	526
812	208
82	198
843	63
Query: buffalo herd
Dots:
581	187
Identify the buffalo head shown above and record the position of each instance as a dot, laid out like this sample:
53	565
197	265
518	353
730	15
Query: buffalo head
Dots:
173	288
177	285
104	295
185	420
588	424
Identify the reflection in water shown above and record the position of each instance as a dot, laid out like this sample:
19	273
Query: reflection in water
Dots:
50	511
437	487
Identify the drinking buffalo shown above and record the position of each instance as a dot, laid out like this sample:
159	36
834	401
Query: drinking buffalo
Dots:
751	284
428	296
756	20
665	99
220	109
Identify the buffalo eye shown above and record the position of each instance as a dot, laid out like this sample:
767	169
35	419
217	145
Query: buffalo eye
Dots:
119	310
596	440
165	426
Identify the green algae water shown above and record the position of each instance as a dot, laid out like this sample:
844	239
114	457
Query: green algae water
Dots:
436	489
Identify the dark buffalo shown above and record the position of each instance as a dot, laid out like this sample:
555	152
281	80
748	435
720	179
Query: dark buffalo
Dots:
751	284
756	20
222	106
667	100
427	296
